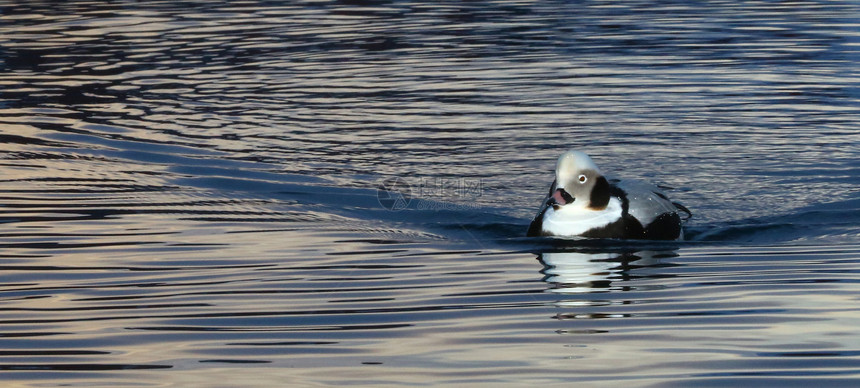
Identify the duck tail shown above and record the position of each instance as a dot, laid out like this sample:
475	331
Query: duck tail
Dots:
683	209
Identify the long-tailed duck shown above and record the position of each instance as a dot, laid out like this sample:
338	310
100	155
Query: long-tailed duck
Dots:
582	202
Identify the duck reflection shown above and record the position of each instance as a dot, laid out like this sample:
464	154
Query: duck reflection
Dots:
577	272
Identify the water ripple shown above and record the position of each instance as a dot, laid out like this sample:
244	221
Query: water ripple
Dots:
189	192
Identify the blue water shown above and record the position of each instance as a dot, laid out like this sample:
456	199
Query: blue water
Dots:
327	193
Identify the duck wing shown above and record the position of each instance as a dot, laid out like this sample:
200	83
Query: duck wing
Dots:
647	202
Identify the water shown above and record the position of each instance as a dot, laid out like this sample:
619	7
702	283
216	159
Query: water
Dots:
190	193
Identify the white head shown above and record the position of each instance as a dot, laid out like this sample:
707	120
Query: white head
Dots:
578	180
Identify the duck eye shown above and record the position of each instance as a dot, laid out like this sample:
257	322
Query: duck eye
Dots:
582	178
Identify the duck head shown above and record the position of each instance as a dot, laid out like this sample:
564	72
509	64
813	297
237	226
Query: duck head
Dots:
579	182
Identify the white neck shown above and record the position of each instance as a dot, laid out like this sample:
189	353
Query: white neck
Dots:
577	218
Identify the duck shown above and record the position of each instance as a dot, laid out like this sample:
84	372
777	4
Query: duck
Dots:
582	202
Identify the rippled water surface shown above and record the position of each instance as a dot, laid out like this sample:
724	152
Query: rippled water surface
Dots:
190	193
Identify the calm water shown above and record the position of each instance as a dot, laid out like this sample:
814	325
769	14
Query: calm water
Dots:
189	193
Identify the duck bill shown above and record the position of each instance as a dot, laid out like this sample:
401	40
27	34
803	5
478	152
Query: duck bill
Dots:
559	198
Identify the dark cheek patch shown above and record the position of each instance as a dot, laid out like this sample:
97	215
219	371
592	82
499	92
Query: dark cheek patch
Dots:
599	194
